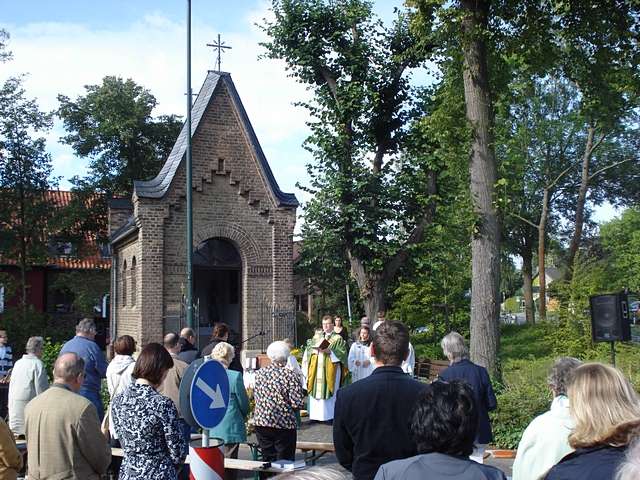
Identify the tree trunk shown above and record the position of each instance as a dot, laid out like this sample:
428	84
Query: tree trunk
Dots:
527	282
580	203
372	288
485	241
542	279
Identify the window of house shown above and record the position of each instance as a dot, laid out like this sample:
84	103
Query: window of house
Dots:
59	299
61	248
123	280
134	281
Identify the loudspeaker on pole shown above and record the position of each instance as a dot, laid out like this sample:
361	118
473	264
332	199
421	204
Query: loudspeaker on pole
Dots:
610	318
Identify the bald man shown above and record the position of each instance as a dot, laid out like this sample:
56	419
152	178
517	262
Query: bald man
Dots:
188	351
171	385
62	428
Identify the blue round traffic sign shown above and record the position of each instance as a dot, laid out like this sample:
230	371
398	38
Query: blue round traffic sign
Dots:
209	394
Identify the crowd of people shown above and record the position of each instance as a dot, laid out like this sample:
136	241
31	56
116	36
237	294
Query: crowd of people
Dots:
386	424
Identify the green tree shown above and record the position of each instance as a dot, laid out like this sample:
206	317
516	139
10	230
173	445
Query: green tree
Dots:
357	70
4	53
462	36
87	289
598	50
112	125
620	240
25	177
539	137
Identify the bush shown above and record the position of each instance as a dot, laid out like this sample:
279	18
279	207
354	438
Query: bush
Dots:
518	404
304	328
50	352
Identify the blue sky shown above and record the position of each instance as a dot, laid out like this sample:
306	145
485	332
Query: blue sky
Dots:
64	45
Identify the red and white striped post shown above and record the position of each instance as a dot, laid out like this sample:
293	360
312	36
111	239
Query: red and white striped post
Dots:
206	463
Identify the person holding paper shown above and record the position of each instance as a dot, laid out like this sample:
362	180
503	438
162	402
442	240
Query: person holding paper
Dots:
324	365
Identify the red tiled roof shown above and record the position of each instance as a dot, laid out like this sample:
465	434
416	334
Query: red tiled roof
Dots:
89	257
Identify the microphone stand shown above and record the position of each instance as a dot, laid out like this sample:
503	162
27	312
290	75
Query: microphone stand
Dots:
259	334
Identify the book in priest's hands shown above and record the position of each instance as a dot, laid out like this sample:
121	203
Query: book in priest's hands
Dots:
323	345
287	465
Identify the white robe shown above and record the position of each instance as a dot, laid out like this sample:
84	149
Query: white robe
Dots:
360	353
292	364
322	409
409	364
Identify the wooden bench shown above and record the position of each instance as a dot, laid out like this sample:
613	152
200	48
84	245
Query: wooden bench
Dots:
317	449
430	369
230	463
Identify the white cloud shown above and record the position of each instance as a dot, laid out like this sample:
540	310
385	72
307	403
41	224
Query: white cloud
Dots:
63	57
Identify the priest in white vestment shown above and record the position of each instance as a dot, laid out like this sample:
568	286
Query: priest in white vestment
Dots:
324	365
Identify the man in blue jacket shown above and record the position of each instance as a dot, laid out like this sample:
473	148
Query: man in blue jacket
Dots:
461	368
95	364
372	415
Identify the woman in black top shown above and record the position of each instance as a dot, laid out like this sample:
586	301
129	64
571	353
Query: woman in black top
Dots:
340	329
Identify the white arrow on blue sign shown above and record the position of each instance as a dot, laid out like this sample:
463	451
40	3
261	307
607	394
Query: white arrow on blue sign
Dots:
209	396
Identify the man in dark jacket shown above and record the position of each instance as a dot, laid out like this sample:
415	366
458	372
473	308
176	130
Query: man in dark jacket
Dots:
372	416
188	351
461	368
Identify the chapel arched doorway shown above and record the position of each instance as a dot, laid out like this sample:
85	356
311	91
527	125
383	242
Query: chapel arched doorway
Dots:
217	275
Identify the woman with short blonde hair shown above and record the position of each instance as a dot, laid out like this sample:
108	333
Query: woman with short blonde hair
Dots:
224	353
606	410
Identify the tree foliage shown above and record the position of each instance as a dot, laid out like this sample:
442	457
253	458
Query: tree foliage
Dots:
112	125
25	177
362	106
5	54
87	289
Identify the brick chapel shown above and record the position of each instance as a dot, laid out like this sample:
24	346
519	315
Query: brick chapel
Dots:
242	234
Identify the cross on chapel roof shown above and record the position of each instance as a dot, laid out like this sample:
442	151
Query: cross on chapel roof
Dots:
220	46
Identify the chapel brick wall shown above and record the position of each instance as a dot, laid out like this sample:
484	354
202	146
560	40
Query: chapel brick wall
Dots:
127	310
231	201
